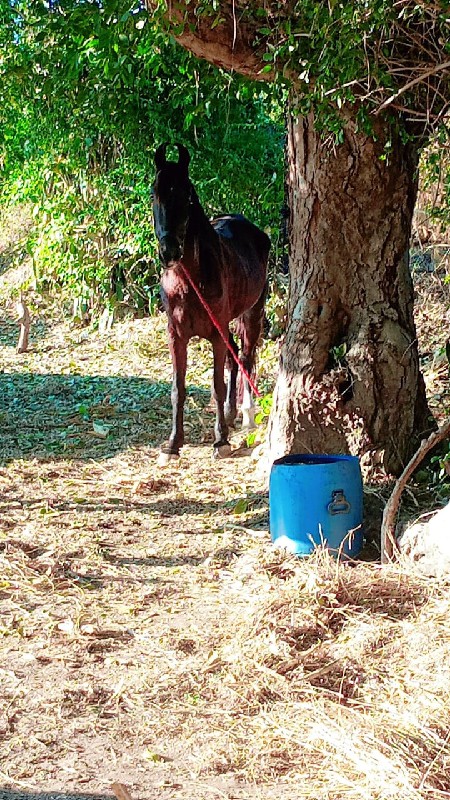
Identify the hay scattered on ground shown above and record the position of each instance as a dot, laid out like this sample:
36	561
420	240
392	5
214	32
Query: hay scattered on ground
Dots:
149	633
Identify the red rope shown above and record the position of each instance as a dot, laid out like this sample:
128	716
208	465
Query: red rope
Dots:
217	326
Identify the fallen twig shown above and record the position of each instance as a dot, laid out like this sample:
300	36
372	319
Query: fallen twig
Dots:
121	791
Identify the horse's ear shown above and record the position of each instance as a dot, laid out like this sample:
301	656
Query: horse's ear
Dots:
160	156
183	157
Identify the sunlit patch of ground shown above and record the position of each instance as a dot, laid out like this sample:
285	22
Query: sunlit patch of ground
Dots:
149	634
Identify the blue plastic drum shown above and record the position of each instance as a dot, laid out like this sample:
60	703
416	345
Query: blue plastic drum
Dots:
316	500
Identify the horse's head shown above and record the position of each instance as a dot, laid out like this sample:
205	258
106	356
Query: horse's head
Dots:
172	194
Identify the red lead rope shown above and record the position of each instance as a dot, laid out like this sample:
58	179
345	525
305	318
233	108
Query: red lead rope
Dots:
217	326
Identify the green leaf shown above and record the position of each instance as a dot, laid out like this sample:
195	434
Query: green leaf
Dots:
241	506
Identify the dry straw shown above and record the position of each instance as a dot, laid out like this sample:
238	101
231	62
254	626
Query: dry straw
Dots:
149	634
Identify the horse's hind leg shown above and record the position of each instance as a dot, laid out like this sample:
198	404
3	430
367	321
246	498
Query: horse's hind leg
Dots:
250	327
222	447
248	403
232	368
178	352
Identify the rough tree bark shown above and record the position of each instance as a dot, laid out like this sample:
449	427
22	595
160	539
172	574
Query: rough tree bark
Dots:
349	375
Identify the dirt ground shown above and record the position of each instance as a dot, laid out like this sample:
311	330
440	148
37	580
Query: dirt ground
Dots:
149	633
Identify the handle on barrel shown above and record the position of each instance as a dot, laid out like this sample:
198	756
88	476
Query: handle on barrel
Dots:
339	503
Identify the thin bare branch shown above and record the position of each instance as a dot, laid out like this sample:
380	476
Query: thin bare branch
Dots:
388	540
419	79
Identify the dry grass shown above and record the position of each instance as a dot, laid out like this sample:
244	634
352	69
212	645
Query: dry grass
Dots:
432	319
149	634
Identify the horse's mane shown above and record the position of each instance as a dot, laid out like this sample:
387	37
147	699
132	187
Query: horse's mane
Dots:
207	240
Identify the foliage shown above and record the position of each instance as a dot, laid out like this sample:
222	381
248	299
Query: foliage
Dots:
264	407
276	305
441	463
375	53
87	91
435	178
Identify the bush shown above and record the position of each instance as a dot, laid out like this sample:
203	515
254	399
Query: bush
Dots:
87	95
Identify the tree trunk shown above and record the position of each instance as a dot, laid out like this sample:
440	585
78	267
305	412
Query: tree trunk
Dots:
349	377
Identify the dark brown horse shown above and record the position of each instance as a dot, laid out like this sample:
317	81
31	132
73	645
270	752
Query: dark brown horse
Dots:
226	259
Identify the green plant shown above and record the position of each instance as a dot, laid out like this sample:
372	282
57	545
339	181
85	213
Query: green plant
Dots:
264	405
87	94
441	462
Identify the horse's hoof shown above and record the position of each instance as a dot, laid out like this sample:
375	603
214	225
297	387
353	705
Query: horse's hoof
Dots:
222	451
165	458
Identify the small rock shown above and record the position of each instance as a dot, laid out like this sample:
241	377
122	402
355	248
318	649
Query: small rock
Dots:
428	543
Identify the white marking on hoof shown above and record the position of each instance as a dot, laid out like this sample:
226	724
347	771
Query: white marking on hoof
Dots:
165	458
224	451
248	418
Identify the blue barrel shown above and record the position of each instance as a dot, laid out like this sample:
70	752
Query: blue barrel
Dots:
314	500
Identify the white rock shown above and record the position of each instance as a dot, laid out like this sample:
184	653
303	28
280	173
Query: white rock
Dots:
428	543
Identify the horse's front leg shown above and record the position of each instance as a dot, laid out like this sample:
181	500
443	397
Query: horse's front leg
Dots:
178	352
222	447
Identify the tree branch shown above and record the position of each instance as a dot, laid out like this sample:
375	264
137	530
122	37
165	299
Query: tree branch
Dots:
388	540
228	43
418	79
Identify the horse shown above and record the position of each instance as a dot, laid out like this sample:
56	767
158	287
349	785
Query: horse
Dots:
220	265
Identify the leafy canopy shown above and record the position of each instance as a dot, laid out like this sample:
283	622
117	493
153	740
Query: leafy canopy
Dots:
377	53
87	90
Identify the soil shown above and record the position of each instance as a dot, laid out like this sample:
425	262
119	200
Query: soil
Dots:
117	576
134	599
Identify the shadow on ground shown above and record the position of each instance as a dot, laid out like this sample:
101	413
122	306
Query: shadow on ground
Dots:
9	332
52	416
